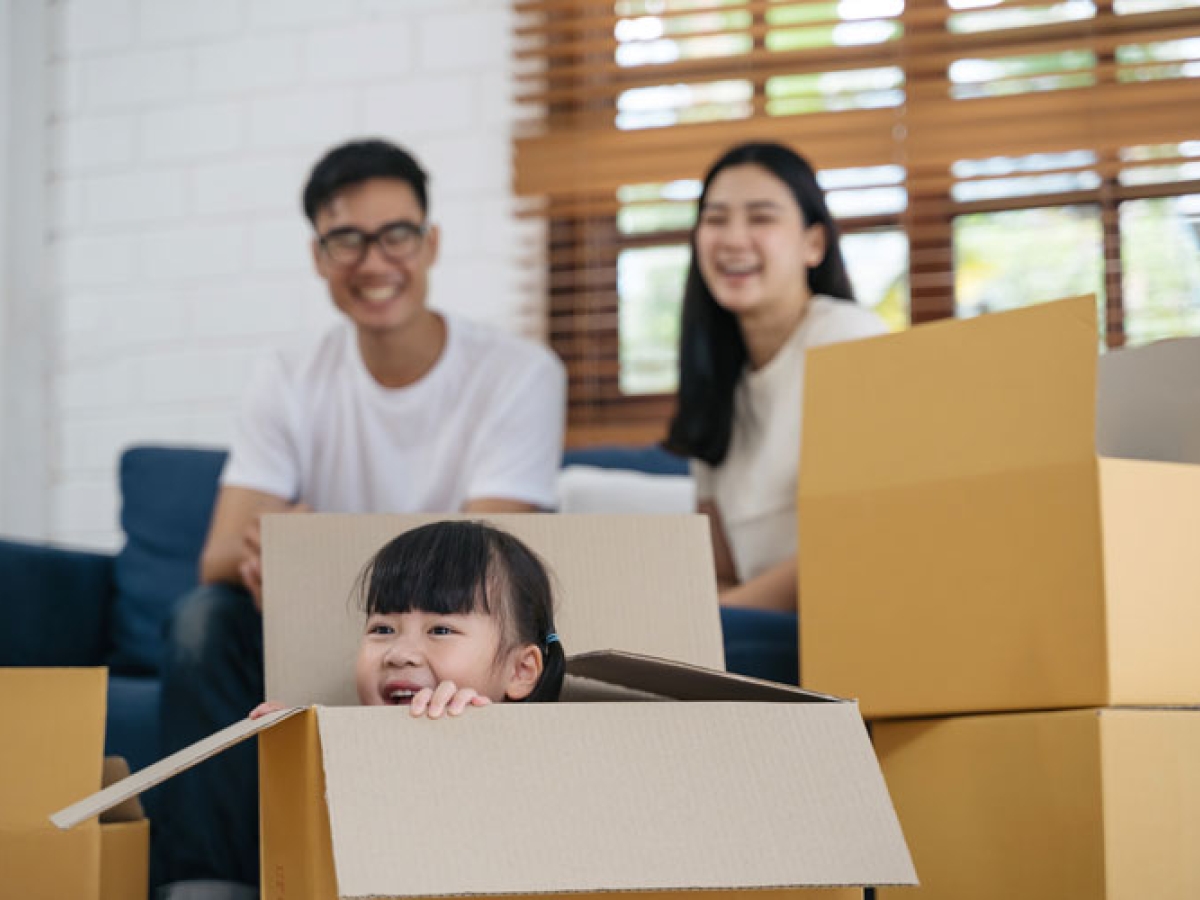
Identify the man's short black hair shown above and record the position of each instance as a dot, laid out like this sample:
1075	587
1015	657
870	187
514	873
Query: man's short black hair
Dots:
356	162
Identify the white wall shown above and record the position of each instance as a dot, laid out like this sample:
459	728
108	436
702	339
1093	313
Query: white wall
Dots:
26	314
179	136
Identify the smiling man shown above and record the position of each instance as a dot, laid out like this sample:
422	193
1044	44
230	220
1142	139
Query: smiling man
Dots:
396	409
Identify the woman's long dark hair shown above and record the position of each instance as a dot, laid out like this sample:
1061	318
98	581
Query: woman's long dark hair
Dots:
712	351
460	567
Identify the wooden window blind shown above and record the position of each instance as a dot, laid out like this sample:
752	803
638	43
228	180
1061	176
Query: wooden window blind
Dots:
949	129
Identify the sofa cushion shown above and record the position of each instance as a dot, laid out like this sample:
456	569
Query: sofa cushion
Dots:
54	605
651	459
167	496
131	726
590	489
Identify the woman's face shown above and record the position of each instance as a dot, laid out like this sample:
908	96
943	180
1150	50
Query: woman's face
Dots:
753	246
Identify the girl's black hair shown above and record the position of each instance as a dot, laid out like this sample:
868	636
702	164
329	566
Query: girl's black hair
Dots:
358	161
461	567
712	351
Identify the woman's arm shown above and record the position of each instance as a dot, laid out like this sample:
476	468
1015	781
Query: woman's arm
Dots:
773	589
722	555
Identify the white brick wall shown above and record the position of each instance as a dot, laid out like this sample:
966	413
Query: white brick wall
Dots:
180	134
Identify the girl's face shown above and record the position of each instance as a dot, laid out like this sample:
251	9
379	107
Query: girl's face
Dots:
753	246
401	653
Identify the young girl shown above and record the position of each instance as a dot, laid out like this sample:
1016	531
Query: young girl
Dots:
458	614
766	283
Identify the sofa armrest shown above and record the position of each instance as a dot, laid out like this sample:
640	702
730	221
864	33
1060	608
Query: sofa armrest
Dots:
54	605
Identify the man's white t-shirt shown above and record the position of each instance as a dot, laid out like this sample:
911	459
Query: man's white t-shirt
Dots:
485	422
754	488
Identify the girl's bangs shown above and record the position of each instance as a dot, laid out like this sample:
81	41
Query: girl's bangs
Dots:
444	571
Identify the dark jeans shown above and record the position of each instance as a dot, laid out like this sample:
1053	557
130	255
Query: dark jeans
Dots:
205	820
762	643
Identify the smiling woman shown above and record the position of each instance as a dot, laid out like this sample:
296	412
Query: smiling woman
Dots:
766	282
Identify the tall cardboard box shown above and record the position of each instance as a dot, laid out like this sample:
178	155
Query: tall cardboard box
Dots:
51	753
966	545
644	584
652	775
1096	803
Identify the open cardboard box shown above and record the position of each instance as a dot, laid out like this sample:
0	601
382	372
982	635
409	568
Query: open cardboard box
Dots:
1096	803
971	540
52	753
745	785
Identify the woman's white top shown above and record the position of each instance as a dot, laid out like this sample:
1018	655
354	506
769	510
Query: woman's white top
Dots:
754	489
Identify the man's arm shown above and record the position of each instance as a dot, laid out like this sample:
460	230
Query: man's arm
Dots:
231	552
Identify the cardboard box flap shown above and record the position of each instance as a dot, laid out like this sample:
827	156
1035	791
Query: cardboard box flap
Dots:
640	583
55	743
116	769
116	794
524	799
1147	402
680	681
952	400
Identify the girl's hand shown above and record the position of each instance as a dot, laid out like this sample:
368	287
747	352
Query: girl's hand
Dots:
264	709
447	697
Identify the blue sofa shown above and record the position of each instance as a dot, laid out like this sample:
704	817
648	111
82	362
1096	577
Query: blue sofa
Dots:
65	607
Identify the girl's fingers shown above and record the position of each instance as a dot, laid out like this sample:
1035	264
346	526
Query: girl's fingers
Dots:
420	702
460	701
442	695
445	699
265	708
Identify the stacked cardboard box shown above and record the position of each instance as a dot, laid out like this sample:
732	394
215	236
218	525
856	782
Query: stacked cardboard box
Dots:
1006	578
724	784
50	754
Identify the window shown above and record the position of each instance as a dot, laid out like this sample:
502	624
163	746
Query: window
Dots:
1006	260
979	155
1160	253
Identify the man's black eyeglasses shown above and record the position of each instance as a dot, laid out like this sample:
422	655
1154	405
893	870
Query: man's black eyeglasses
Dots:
399	242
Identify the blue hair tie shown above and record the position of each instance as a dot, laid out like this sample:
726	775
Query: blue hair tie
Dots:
551	639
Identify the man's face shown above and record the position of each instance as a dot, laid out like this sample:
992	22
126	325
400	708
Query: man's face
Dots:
386	289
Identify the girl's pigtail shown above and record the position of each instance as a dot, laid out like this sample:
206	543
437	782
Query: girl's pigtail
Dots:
554	669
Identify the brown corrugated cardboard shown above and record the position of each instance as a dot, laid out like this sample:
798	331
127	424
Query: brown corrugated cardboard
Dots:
567	797
124	843
125	860
595	675
640	583
53	753
768	788
1103	804
963	546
